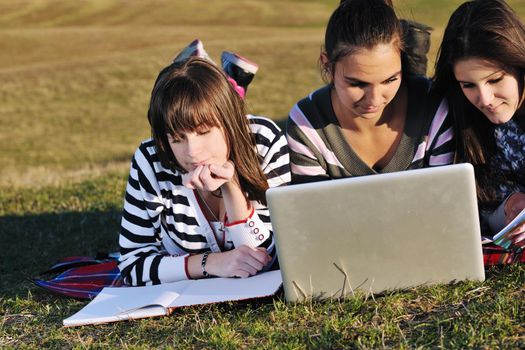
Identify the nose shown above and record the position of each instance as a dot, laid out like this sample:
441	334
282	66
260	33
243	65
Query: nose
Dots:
373	96
193	145
486	96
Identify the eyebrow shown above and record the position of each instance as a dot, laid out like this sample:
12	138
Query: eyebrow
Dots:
484	78
348	78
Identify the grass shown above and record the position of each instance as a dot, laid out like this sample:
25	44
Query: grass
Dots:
75	83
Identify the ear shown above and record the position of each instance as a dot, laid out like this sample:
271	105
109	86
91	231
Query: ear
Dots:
323	57
326	66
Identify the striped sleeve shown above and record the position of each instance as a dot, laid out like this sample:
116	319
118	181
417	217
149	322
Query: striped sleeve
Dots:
273	149
307	162
141	262
440	145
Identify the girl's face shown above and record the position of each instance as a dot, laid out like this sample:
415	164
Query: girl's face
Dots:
366	81
204	146
489	87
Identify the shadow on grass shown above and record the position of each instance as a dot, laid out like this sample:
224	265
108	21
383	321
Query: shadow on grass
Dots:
32	243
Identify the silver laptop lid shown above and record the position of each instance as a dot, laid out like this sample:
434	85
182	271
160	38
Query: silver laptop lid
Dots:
377	233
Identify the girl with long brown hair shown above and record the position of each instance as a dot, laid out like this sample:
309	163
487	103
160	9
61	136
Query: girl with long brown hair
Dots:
481	71
195	201
374	115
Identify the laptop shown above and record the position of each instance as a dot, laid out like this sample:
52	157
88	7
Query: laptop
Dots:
377	233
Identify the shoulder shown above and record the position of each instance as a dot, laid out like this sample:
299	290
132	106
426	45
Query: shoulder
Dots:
263	127
313	111
147	147
146	156
146	152
318	99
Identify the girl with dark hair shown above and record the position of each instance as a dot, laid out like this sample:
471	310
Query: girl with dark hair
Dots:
373	116
195	200
481	71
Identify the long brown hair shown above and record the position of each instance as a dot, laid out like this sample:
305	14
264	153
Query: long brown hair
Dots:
196	93
487	29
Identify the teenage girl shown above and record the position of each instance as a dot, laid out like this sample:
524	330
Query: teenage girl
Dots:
195	201
372	116
481	71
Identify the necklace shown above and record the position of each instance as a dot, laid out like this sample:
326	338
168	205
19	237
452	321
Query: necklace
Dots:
221	224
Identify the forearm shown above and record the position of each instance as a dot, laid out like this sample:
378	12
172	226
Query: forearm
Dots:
139	269
237	206
194	267
240	262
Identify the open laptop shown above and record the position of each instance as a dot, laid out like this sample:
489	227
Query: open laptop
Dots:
377	233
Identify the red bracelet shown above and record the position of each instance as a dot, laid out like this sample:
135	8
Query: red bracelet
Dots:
228	224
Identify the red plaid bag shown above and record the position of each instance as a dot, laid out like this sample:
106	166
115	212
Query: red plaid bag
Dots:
496	255
82	277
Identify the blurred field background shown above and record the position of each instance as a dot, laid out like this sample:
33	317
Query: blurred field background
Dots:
76	75
75	78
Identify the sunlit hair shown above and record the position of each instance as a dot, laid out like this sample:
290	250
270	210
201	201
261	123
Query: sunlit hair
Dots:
358	24
486	29
193	94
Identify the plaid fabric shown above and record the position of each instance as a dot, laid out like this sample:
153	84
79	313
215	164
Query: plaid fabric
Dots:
70	262
83	282
496	255
84	277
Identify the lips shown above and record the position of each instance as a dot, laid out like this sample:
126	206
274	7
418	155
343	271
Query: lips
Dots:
493	109
369	109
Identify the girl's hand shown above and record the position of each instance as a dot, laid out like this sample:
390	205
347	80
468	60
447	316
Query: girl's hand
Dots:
209	177
240	262
514	206
518	238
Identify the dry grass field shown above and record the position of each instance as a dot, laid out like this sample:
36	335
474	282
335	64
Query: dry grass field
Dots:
76	75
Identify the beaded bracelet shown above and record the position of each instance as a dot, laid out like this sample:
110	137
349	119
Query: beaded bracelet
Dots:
203	264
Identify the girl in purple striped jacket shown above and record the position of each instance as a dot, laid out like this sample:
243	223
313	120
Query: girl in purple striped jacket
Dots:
481	71
373	116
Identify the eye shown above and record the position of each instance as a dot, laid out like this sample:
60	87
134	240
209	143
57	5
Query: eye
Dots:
354	83
203	131
391	80
175	138
496	80
466	85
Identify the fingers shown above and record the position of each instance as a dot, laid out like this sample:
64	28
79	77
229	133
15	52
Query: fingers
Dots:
518	240
239	262
201	178
209	177
251	260
247	261
514	205
191	178
205	177
208	181
225	171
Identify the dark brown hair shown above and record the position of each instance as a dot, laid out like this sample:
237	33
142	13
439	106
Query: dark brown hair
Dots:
359	24
486	29
195	93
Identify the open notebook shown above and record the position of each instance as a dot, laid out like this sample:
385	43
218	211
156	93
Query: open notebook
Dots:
126	303
377	233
